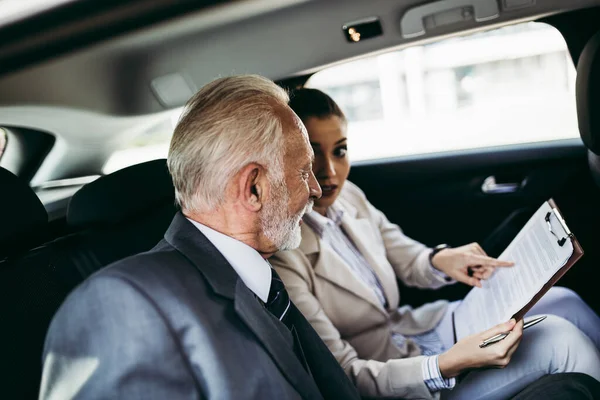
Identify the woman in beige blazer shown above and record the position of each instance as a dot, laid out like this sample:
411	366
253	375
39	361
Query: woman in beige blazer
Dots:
343	278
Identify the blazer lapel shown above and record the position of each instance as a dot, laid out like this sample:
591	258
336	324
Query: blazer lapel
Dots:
223	279
277	342
193	245
361	232
331	267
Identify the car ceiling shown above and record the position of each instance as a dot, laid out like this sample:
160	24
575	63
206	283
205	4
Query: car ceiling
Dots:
106	89
272	38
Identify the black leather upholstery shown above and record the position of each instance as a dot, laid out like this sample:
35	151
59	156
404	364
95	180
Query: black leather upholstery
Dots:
565	386
121	214
588	102
118	215
588	94
594	163
30	293
121	196
24	218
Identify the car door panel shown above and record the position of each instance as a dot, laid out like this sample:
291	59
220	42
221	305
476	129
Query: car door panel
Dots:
438	198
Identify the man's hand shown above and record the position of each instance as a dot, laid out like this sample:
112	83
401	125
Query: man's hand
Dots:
456	262
466	354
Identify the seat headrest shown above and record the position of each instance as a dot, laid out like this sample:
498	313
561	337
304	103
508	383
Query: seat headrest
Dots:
588	94
122	195
23	214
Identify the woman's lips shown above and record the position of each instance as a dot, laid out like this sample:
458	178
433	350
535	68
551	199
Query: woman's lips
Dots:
328	190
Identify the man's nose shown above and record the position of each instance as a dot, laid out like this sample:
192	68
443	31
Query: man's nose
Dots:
315	188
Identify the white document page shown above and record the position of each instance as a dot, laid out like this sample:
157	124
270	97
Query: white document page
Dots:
537	257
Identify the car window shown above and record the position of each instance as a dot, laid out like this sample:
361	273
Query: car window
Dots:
506	86
148	145
3	141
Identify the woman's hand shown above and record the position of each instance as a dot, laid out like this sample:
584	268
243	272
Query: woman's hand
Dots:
466	353
456	262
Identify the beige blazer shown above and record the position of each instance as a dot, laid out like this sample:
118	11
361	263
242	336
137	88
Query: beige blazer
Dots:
347	314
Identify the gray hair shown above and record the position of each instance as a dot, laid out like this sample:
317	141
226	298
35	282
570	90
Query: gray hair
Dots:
230	123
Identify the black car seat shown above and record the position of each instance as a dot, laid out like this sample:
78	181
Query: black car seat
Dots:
588	102
29	292
24	219
118	215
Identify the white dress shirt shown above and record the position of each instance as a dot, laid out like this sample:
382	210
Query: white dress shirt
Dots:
252	268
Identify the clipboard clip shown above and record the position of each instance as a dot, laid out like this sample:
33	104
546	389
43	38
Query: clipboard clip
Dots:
560	241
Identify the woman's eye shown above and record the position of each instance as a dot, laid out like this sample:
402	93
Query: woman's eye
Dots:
340	152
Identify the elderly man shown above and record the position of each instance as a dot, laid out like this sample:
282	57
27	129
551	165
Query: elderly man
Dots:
203	315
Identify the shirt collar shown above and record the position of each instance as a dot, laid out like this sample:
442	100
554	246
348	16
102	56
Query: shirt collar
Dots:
320	223
254	270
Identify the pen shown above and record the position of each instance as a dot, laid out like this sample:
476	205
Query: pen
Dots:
501	336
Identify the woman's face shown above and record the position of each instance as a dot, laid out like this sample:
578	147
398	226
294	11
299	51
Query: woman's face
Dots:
331	166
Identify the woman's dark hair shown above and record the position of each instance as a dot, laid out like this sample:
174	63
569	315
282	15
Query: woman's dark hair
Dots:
309	103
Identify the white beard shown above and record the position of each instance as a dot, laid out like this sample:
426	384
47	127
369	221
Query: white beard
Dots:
278	227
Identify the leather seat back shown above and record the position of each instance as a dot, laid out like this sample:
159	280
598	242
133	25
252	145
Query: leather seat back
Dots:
24	218
29	291
118	215
588	102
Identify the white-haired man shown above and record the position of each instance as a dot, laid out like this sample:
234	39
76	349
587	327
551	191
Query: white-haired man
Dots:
203	315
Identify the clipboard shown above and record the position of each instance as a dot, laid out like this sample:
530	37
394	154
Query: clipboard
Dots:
577	254
561	239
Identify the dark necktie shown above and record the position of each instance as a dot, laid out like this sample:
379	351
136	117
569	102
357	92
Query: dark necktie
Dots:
278	302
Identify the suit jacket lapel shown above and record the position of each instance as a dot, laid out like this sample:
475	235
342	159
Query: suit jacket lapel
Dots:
193	245
278	343
332	267
361	233
223	279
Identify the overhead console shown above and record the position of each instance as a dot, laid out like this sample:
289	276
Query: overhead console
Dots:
417	21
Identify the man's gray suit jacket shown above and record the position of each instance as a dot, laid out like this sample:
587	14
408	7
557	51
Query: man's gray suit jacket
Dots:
178	323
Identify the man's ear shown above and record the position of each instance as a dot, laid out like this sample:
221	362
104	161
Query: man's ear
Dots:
252	186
